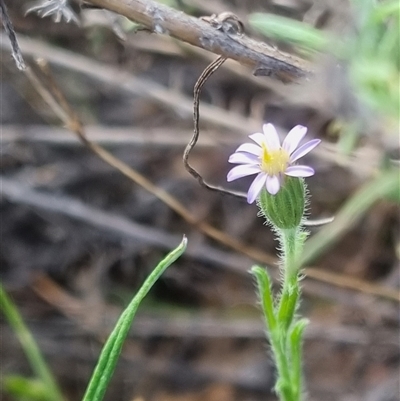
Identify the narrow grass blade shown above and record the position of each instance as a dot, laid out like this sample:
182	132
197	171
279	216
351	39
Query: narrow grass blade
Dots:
31	349
112	349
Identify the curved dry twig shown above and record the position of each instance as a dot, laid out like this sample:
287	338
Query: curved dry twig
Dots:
210	69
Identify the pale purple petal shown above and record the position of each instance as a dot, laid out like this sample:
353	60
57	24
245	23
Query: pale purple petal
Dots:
300	171
293	138
271	137
273	184
249	148
258	138
248	157
242	171
255	187
304	149
243	158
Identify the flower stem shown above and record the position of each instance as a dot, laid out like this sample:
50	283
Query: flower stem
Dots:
291	331
290	241
285	332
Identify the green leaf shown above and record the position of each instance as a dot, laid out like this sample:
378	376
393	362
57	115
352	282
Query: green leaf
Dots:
31	349
288	304
386	9
24	388
112	349
265	295
289	30
296	339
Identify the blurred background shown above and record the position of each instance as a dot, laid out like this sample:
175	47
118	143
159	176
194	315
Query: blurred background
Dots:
78	237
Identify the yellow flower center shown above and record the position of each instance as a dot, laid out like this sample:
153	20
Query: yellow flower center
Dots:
273	162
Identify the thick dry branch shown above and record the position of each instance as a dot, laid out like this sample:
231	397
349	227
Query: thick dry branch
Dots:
165	20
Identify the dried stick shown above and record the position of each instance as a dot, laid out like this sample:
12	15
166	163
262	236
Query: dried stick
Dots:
165	20
8	27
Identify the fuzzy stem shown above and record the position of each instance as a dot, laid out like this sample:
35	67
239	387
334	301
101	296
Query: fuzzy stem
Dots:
284	331
291	242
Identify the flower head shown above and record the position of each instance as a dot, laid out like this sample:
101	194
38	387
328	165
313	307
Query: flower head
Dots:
271	161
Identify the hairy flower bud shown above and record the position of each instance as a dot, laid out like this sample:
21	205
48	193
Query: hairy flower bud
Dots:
284	210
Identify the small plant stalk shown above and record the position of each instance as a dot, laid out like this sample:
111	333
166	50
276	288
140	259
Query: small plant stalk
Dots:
282	198
284	213
284	329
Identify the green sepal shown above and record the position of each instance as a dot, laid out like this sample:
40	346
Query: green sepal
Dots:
284	210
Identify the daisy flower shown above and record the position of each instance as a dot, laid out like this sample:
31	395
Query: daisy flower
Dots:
271	161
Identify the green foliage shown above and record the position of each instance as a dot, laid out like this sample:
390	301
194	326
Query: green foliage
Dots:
372	51
170	3
24	389
109	356
284	329
296	340
265	291
44	387
374	55
288	30
38	364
